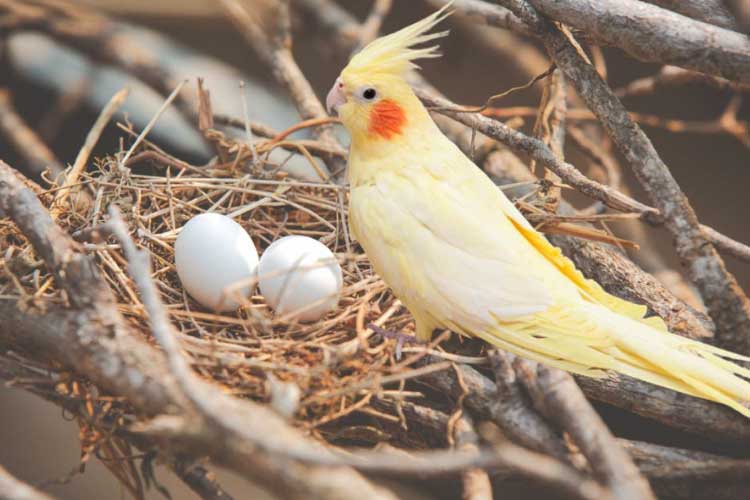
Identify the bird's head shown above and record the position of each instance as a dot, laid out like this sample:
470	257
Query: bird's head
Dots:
372	96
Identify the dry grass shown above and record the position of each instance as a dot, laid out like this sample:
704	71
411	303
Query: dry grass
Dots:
337	363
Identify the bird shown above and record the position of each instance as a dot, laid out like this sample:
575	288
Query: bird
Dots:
460	255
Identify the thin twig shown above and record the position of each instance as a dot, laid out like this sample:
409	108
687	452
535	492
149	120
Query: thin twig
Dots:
669	76
89	143
493	98
275	51
727	244
550	129
153	121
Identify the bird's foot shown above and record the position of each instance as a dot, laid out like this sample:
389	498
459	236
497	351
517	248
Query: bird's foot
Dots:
401	338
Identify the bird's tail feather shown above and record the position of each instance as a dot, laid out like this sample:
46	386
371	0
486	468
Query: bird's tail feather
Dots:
674	362
591	339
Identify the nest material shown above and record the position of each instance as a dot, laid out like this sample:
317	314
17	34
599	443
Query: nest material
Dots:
337	363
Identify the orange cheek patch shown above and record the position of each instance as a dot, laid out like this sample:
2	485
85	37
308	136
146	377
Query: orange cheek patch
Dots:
387	119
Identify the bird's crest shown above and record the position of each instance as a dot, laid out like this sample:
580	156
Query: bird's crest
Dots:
395	54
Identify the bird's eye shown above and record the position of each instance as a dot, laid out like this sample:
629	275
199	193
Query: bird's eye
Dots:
369	93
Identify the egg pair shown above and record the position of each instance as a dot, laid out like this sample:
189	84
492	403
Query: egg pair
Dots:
218	265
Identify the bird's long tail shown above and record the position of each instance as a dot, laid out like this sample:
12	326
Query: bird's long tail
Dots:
591	339
675	362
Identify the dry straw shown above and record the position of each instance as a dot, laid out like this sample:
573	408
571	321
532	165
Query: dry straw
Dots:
337	363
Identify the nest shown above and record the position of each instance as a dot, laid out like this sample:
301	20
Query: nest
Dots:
323	372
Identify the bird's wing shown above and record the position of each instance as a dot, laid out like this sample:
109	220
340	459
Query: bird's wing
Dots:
474	186
463	267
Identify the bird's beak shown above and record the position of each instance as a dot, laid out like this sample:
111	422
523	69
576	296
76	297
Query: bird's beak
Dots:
335	97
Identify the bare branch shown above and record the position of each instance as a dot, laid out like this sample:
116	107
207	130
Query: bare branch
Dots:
669	76
653	34
671	469
275	51
564	402
476	482
726	244
549	127
492	14
709	11
521	461
501	405
537	150
689	474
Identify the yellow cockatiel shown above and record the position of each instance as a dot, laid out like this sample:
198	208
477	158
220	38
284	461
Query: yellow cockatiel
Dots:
460	256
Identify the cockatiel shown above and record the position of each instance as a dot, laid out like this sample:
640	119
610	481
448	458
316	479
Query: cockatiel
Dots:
460	255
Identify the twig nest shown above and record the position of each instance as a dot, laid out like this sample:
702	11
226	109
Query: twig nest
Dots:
300	278
216	261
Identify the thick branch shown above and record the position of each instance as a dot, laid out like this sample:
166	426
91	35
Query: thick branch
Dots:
709	11
662	463
492	14
564	402
541	468
653	34
678	473
697	416
502	407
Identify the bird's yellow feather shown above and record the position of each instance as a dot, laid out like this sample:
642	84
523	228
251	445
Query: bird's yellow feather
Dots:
460	255
395	54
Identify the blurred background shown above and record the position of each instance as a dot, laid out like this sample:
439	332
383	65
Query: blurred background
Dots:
45	78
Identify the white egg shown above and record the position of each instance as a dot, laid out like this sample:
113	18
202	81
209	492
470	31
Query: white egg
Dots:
300	277
213	256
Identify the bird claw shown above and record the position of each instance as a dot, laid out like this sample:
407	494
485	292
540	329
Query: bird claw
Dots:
401	338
